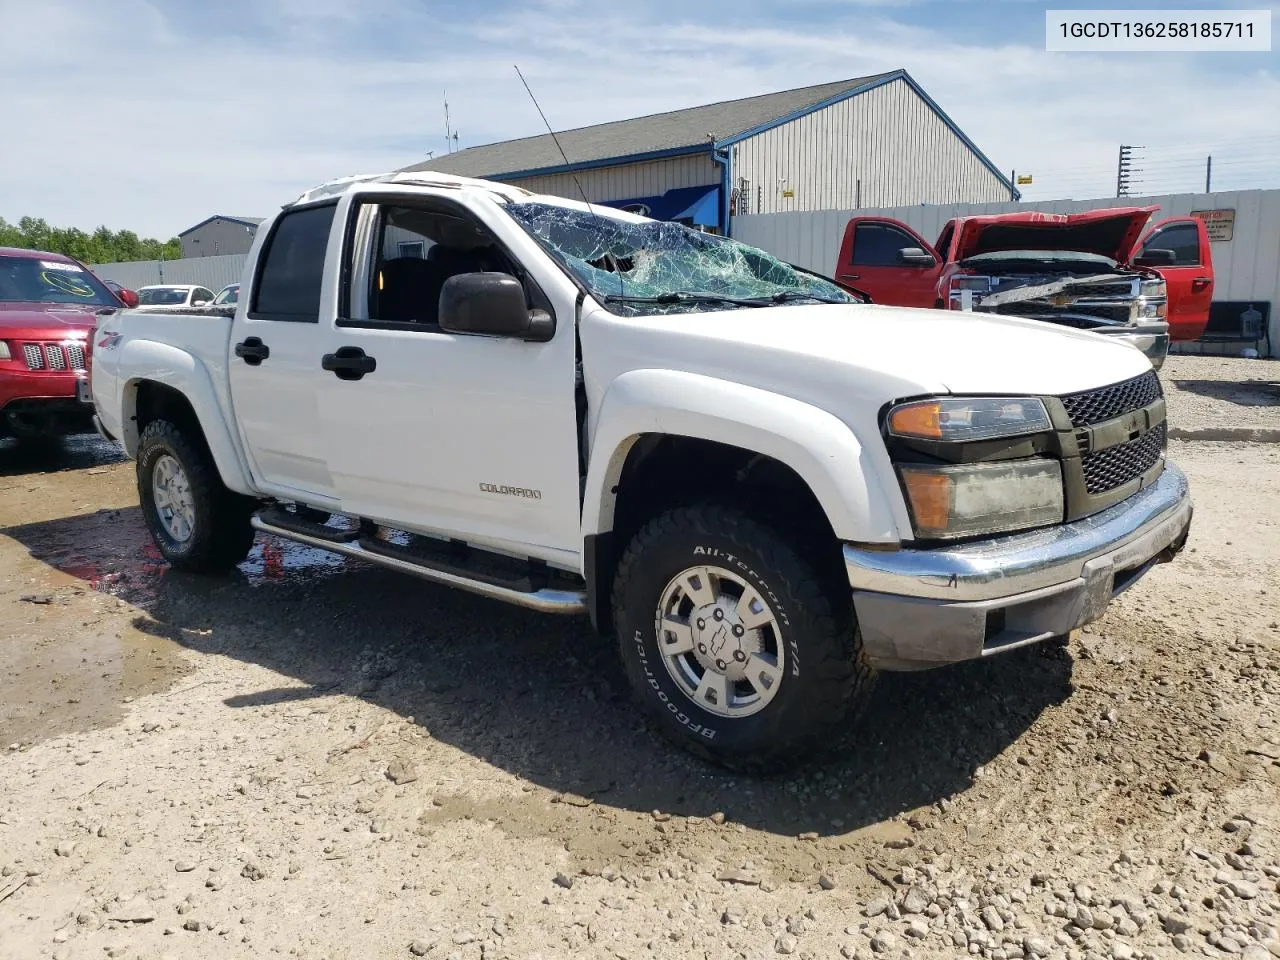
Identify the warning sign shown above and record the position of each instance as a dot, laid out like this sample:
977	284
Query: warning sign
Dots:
1220	224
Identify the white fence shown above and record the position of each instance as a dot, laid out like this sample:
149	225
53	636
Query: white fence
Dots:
1246	268
212	272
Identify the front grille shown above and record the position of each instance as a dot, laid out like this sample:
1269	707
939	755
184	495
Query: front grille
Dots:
1122	288
1115	466
1095	406
54	356
1117	313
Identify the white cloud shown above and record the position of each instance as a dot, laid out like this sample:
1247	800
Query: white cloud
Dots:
121	116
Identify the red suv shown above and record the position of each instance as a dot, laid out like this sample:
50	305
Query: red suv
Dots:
49	305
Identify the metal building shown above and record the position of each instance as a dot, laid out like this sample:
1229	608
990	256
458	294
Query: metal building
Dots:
219	236
871	141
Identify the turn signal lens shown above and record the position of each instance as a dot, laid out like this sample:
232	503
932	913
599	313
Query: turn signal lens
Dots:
917	420
930	496
4	351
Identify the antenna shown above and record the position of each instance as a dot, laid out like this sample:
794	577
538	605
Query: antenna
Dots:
609	257
450	138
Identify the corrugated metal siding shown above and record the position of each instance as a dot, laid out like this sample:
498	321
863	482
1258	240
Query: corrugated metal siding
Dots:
218	238
212	272
627	180
882	147
1245	268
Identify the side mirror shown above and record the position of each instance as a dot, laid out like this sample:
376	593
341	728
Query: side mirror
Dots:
199	302
915	257
492	304
128	297
1156	258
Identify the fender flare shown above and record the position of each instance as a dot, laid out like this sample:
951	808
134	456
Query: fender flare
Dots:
149	360
819	447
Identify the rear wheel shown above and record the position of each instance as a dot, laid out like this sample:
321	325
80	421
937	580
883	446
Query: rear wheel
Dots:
195	521
735	645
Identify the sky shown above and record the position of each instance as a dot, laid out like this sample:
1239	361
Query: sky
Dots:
151	115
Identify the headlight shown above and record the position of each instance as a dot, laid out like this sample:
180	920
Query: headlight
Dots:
1154	304
968	418
4	351
1152	310
968	500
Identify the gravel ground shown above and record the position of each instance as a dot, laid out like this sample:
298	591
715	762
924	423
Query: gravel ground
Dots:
1222	398
319	759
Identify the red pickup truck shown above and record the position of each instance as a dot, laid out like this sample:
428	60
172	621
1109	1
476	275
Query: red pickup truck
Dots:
1088	270
49	304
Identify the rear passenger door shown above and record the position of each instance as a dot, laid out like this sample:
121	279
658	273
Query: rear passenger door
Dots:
892	263
1189	279
274	361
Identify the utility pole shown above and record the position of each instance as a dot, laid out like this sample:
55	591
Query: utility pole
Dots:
1013	190
1208	174
1125	170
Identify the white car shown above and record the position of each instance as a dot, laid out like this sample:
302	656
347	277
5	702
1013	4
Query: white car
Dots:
762	487
166	296
228	296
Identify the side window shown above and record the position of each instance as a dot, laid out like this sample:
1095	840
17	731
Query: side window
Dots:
944	241
414	251
1182	238
204	294
292	268
877	245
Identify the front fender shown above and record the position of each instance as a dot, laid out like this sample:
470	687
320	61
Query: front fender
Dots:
818	446
143	360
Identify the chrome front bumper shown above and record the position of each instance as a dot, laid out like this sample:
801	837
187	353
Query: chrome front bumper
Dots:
924	608
1152	340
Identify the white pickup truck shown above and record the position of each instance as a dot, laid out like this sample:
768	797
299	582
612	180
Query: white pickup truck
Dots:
764	488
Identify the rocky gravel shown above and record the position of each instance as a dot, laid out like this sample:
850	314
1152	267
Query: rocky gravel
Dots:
317	759
1222	398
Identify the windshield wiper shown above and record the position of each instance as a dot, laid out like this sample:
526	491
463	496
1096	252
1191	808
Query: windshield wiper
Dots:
788	295
680	296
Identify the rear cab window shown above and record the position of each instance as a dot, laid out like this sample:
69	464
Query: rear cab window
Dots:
291	268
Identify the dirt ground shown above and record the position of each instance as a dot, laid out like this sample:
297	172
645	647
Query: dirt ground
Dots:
319	759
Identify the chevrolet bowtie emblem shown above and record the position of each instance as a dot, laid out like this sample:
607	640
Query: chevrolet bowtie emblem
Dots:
1060	299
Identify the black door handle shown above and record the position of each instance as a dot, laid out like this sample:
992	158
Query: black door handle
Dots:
348	363
252	351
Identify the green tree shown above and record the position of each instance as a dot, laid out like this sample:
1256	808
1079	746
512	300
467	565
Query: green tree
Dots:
102	246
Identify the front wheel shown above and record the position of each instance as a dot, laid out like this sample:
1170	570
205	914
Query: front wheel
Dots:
195	521
733	643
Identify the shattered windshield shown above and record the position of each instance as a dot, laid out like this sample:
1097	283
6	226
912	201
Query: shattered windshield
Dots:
645	267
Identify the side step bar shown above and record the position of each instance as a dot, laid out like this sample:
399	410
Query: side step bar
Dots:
544	600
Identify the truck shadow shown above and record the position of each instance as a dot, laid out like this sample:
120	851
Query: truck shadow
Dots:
541	697
1244	393
51	454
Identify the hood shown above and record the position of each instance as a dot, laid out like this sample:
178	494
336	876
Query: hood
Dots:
1108	233
881	353
46	320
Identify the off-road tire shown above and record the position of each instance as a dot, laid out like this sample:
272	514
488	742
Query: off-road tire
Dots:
221	536
826	676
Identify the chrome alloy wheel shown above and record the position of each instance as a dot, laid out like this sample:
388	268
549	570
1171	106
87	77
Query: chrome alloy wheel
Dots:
171	493
720	641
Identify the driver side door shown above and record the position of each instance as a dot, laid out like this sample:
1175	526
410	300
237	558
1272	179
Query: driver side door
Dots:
879	262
